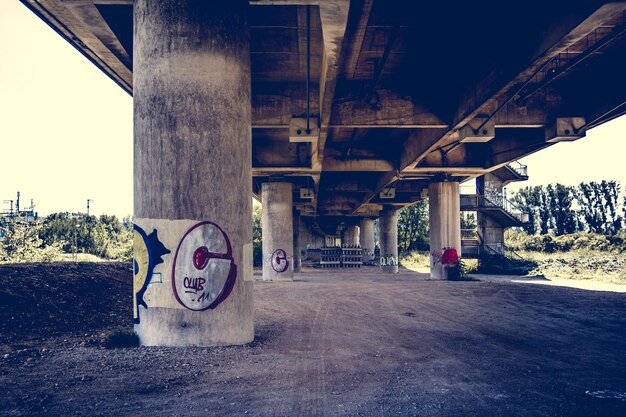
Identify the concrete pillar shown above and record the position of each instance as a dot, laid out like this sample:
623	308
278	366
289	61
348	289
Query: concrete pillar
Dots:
445	224
350	236
389	240
277	206
490	233
297	247
367	239
192	173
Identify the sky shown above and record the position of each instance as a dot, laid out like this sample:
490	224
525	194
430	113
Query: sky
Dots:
66	132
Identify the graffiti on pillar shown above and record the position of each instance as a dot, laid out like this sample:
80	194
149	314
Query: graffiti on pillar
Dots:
389	261
147	253
279	261
204	271
449	256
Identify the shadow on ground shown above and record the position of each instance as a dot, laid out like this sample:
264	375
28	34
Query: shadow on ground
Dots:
353	343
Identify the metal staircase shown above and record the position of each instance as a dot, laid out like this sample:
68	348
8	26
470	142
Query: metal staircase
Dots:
472	247
500	211
503	211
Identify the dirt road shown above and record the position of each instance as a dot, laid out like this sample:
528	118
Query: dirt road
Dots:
353	343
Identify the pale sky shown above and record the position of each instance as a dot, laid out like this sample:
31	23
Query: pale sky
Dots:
66	129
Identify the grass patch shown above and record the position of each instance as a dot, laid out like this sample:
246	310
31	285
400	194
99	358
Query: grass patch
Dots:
580	264
415	260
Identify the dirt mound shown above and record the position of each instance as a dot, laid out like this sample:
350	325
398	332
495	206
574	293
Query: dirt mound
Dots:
38	301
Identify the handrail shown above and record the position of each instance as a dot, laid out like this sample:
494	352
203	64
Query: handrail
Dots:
501	249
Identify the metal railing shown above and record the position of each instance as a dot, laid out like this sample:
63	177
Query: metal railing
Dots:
519	168
500	249
469	234
478	200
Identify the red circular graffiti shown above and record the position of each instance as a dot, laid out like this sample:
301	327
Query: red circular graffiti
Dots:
280	263
198	292
201	257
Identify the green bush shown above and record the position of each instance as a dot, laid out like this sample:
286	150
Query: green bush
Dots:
520	241
496	264
20	242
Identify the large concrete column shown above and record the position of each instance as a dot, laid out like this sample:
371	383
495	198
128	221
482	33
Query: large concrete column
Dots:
389	240
445	224
350	236
277	209
367	239
490	233
297	247
192	173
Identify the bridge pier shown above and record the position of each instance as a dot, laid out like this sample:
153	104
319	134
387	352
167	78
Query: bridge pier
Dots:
350	236
389	240
192	174
278	231
445	225
367	239
297	247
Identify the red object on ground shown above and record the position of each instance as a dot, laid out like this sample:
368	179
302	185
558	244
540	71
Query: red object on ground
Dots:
450	256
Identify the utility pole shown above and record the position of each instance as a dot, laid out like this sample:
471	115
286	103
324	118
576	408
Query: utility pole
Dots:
89	200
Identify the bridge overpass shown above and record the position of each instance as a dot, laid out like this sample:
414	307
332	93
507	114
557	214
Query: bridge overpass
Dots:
332	113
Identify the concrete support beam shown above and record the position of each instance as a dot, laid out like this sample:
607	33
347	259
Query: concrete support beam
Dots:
350	236
277	220
389	240
367	239
297	247
445	225
192	239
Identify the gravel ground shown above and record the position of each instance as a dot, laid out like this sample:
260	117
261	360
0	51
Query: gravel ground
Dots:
349	343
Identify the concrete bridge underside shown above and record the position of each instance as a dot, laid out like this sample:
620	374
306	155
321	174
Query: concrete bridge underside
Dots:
336	111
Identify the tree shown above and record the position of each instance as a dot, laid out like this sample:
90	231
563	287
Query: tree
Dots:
468	221
545	214
20	242
528	200
105	236
257	236
564	218
599	206
413	227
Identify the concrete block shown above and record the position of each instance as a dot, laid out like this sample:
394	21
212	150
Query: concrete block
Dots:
565	129
470	133
298	131
306	193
